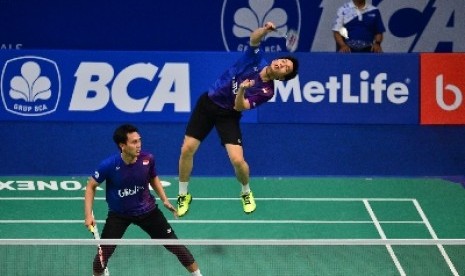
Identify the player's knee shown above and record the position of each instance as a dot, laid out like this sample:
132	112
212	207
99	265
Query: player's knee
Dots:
187	150
189	147
97	268
238	162
183	254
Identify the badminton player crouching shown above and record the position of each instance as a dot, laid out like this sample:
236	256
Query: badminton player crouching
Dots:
127	175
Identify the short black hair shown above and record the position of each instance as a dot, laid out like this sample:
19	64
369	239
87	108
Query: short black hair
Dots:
295	69
121	134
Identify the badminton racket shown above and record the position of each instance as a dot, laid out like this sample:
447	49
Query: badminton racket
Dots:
292	39
94	230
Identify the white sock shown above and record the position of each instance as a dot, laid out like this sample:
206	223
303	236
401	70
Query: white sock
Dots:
183	188
245	189
196	273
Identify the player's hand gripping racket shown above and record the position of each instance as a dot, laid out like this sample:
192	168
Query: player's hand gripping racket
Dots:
95	233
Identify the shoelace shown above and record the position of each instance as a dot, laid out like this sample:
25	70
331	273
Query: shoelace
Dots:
246	198
181	200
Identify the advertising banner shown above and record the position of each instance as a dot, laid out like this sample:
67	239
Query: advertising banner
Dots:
442	89
106	86
355	88
164	86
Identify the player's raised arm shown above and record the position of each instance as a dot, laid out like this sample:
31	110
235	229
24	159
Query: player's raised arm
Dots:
257	35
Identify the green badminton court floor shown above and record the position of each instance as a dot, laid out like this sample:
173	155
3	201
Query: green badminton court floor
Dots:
287	208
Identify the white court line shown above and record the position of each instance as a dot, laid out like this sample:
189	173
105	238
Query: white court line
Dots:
383	237
181	221
48	198
435	237
247	242
226	198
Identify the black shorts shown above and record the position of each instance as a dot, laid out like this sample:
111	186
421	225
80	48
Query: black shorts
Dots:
153	223
207	115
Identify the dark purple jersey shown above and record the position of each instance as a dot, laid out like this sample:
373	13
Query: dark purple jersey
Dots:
223	91
127	186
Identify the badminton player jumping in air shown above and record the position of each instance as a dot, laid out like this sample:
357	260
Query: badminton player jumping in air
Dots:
127	175
245	85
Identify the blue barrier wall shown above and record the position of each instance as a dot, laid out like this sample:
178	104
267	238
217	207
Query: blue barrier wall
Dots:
61	148
314	134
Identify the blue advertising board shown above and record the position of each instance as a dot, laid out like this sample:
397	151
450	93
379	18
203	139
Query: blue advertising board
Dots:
106	86
355	88
163	87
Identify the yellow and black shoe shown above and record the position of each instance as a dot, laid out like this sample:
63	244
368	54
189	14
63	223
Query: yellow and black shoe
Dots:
183	204
248	202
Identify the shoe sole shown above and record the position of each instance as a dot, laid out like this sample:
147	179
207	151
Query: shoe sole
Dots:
248	213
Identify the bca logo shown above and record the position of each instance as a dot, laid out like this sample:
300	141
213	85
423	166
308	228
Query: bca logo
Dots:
239	18
30	86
